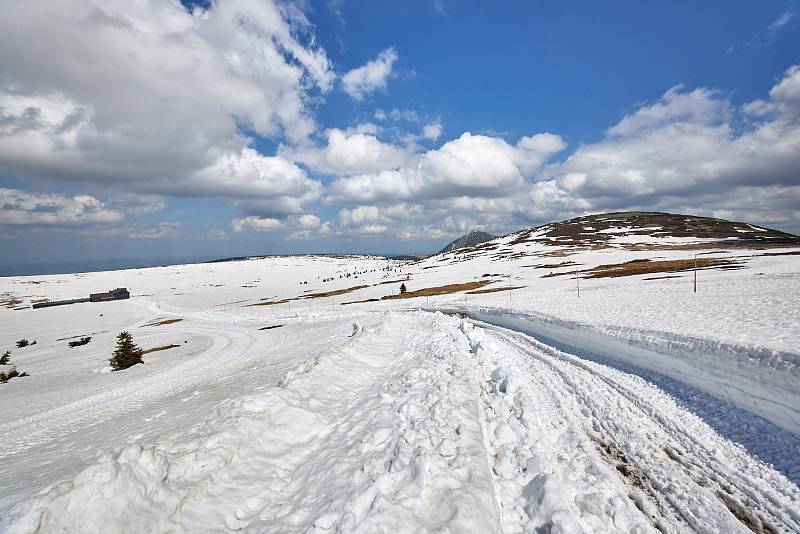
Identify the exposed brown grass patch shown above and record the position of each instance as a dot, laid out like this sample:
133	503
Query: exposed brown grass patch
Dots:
555	265
705	245
334	292
439	290
270	302
318	295
156	349
162	322
360	301
644	266
9	301
494	290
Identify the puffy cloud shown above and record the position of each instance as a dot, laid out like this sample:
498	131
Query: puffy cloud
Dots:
269	185
432	131
349	152
164	230
368	78
686	145
259	224
699	107
359	215
690	151
308	221
147	97
309	225
472	165
22	208
786	94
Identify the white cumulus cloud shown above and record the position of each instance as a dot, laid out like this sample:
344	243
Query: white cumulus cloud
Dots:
149	98
259	224
370	77
23	208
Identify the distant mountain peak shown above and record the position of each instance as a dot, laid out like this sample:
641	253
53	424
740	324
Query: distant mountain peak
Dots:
475	237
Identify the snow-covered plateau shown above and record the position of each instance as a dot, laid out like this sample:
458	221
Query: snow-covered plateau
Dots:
535	393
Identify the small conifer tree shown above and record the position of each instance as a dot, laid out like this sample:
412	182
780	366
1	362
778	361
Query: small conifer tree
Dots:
5	357
126	353
402	288
22	343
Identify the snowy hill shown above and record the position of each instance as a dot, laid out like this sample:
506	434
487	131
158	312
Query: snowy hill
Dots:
473	238
564	377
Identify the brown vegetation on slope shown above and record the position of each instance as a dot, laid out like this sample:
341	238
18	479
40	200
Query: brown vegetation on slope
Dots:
494	290
156	349
439	290
161	322
645	266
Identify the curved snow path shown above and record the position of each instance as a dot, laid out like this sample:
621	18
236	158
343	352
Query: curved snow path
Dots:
46	425
422	422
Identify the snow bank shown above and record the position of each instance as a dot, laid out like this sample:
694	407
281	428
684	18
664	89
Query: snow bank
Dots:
761	381
580	447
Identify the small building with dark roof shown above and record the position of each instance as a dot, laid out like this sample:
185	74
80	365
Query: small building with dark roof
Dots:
120	293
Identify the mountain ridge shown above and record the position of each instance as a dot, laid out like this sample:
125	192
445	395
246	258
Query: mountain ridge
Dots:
475	237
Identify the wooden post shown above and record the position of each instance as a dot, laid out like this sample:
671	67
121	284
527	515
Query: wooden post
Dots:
695	273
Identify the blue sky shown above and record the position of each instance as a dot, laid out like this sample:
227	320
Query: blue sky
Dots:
238	127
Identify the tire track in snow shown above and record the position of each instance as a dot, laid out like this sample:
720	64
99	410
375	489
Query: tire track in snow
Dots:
619	403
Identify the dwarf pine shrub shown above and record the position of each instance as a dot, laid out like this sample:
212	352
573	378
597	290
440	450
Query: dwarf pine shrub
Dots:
13	373
81	341
126	354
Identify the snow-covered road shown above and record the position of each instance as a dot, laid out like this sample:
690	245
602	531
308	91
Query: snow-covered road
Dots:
417	422
584	439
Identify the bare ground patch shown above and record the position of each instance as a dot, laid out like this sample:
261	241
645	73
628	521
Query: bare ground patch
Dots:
271	302
440	290
162	322
9	301
334	292
644	266
494	290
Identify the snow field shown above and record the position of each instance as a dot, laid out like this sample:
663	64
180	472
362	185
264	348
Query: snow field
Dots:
380	435
418	422
421	422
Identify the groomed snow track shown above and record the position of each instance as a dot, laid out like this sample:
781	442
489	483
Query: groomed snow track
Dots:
425	422
678	471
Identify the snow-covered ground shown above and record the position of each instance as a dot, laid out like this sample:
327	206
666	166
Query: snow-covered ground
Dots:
639	406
